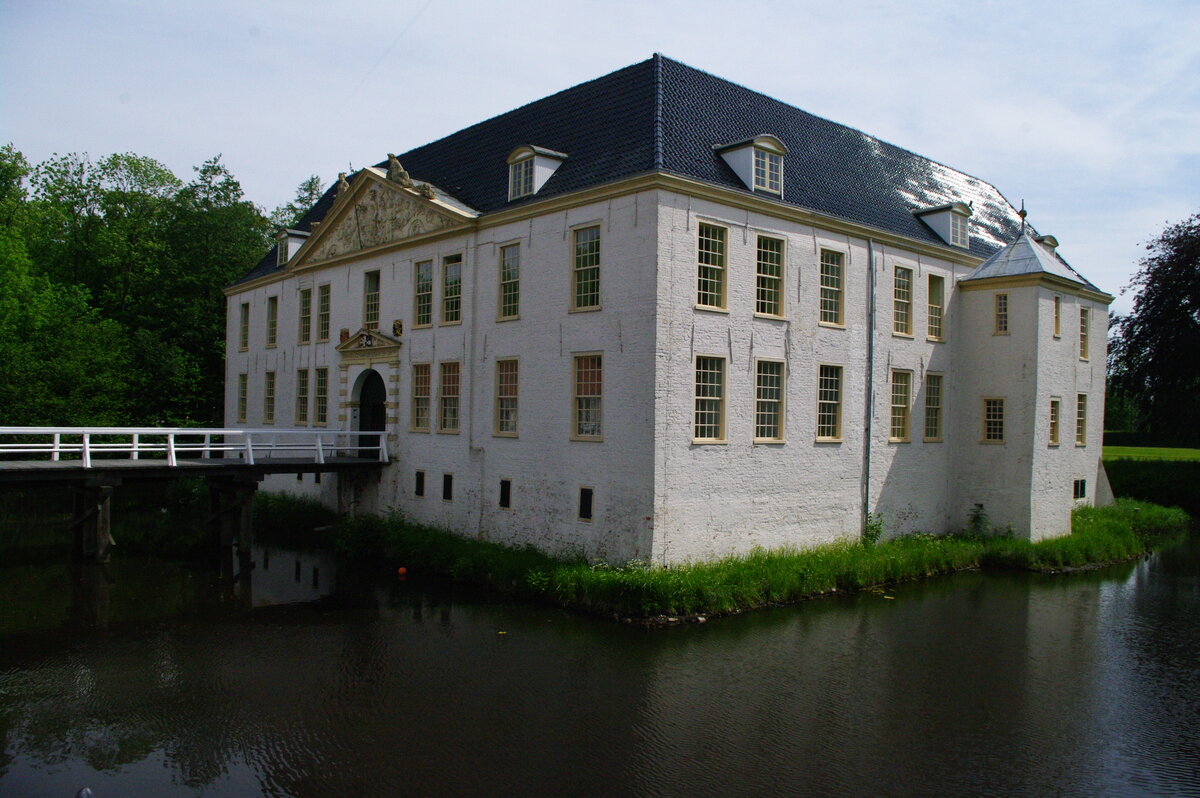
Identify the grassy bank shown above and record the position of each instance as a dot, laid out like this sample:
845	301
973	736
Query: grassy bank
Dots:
1170	482
734	584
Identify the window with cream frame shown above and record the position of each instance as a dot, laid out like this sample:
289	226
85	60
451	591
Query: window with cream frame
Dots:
371	300
452	289
1058	317
1055	421
901	406
269	398
587	382
829	403
244	327
509	300
709	410
1081	403
1085	318
419	415
711	262
321	398
935	397
1000	315
936	330
768	300
301	397
423	294
993	419
272	321
768	401
585	269
768	169
960	231
505	421
449	386
520	177
243	389
323	322
902	301
304	331
832	289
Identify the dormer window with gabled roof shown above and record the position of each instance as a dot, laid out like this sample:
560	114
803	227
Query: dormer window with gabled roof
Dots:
757	161
950	221
529	168
287	242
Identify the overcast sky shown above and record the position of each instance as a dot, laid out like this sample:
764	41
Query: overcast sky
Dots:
1088	111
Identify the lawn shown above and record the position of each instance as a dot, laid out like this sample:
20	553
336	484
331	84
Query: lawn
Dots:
1149	453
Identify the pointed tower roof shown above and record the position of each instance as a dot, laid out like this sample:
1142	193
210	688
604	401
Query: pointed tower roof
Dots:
1024	255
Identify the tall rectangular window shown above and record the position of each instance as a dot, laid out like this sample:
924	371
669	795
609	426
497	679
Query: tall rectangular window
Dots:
419	483
1085	318
768	171
1057	316
585	503
937	307
304	333
451	289
1079	489
510	282
769	296
589	385
993	420
506	493
960	235
934	398
272	321
709	412
768	400
1055	421
1081	420
831	286
902	294
244	327
829	403
506	397
301	397
269	398
243	387
423	294
371	300
1000	326
323	312
710	279
447	487
321	397
901	404
520	178
448	388
585	272
420	398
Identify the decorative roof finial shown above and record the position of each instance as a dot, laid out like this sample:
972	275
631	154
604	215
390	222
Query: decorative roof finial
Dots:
1022	214
396	173
343	185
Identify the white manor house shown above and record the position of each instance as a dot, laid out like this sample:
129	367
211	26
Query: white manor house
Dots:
660	316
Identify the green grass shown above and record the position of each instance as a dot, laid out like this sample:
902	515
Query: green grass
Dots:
761	578
1149	453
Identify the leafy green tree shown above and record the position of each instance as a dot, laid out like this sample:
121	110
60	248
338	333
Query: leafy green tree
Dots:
307	194
1154	358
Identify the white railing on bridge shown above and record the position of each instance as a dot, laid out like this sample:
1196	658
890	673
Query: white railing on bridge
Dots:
88	444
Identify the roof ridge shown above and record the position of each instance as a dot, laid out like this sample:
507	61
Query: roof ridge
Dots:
658	111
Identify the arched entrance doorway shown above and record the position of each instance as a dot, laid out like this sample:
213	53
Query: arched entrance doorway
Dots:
372	410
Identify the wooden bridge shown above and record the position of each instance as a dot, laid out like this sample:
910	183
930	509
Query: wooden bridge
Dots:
93	461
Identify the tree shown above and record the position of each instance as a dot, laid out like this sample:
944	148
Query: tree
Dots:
1154	359
307	195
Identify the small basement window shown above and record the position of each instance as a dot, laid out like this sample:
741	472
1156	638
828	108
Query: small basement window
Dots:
585	504
447	487
506	493
419	484
1080	489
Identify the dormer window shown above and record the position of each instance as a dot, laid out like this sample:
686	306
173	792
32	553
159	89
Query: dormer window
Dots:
950	221
768	171
529	168
287	243
520	178
757	161
959	237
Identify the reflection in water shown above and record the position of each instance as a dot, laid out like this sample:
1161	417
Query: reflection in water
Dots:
981	685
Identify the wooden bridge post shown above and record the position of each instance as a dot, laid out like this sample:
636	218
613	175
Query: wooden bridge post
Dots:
92	523
231	501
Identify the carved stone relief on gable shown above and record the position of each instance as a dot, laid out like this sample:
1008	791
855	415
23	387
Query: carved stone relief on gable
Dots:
379	216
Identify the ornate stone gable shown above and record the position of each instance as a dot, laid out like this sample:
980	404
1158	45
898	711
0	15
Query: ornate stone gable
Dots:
377	213
369	346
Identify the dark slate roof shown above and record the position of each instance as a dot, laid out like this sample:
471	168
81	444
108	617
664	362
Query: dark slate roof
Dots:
663	115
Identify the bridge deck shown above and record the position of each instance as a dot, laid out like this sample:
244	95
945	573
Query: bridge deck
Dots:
30	472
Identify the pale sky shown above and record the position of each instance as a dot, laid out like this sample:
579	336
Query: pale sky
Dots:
1088	111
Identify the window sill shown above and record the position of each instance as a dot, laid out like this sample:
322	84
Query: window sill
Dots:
934	339
998	332
832	325
1080	445
711	308
828	440
769	316
709	442
899	440
448	432
243	349
422	430
422	326
895	334
1052	445
991	443
1084	359
504	435
303	343
587	439
589	309
322	340
507	318
450	323
769	441
933	440
271	346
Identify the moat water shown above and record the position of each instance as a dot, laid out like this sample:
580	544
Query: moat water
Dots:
155	679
